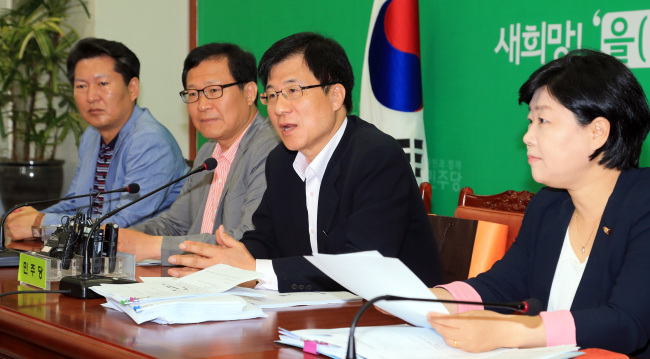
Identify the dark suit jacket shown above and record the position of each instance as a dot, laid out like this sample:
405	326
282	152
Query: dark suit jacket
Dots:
368	200
610	307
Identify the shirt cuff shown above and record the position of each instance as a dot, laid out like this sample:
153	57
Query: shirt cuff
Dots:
560	327
270	280
169	247
463	291
51	219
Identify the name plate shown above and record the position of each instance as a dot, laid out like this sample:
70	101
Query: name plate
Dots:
32	270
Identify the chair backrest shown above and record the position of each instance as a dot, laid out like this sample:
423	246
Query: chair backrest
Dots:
467	247
425	192
505	208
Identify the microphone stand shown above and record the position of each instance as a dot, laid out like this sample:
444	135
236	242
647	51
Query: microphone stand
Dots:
10	257
529	307
79	286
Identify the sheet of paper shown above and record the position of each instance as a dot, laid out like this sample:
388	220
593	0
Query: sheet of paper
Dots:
555	352
216	279
157	279
208	295
275	299
248	312
370	275
220	277
189	310
404	341
332	351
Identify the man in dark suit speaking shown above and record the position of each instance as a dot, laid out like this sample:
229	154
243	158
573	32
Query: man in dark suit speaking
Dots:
336	184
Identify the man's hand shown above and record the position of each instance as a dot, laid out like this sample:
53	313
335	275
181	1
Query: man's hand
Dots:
227	251
142	245
19	223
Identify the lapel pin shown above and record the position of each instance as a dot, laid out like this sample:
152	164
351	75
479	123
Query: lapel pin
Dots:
607	230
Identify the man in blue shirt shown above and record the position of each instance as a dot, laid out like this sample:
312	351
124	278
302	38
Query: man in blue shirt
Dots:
124	144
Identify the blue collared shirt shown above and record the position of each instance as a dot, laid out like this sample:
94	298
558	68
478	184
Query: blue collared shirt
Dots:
146	153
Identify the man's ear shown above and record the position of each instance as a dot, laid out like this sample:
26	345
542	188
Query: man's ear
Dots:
250	91
337	94
599	129
134	88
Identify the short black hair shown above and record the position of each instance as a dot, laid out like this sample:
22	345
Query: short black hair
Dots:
241	63
592	84
324	57
126	63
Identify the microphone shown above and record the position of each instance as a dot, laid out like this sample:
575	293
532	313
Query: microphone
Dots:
79	285
132	188
531	306
10	257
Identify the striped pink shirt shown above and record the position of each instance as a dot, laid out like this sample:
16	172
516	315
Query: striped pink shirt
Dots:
218	182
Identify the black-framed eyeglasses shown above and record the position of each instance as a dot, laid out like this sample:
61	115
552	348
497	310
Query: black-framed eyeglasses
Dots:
211	92
290	93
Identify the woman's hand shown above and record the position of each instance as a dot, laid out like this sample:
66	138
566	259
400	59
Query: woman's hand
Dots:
483	330
442	293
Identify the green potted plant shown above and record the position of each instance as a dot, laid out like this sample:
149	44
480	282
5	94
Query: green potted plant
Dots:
37	106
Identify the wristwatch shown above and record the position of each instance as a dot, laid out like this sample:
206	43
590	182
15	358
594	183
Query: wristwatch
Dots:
36	227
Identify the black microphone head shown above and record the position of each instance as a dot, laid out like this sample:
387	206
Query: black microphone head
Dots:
133	188
533	307
210	164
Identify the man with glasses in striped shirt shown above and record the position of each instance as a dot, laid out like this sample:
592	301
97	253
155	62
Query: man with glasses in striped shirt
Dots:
220	82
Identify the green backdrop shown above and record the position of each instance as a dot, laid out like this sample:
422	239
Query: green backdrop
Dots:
473	122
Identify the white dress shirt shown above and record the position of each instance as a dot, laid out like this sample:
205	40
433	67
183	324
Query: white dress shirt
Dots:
568	274
312	174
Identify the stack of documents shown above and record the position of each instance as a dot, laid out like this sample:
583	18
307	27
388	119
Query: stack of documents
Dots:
403	341
208	295
184	300
273	299
371	275
189	310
